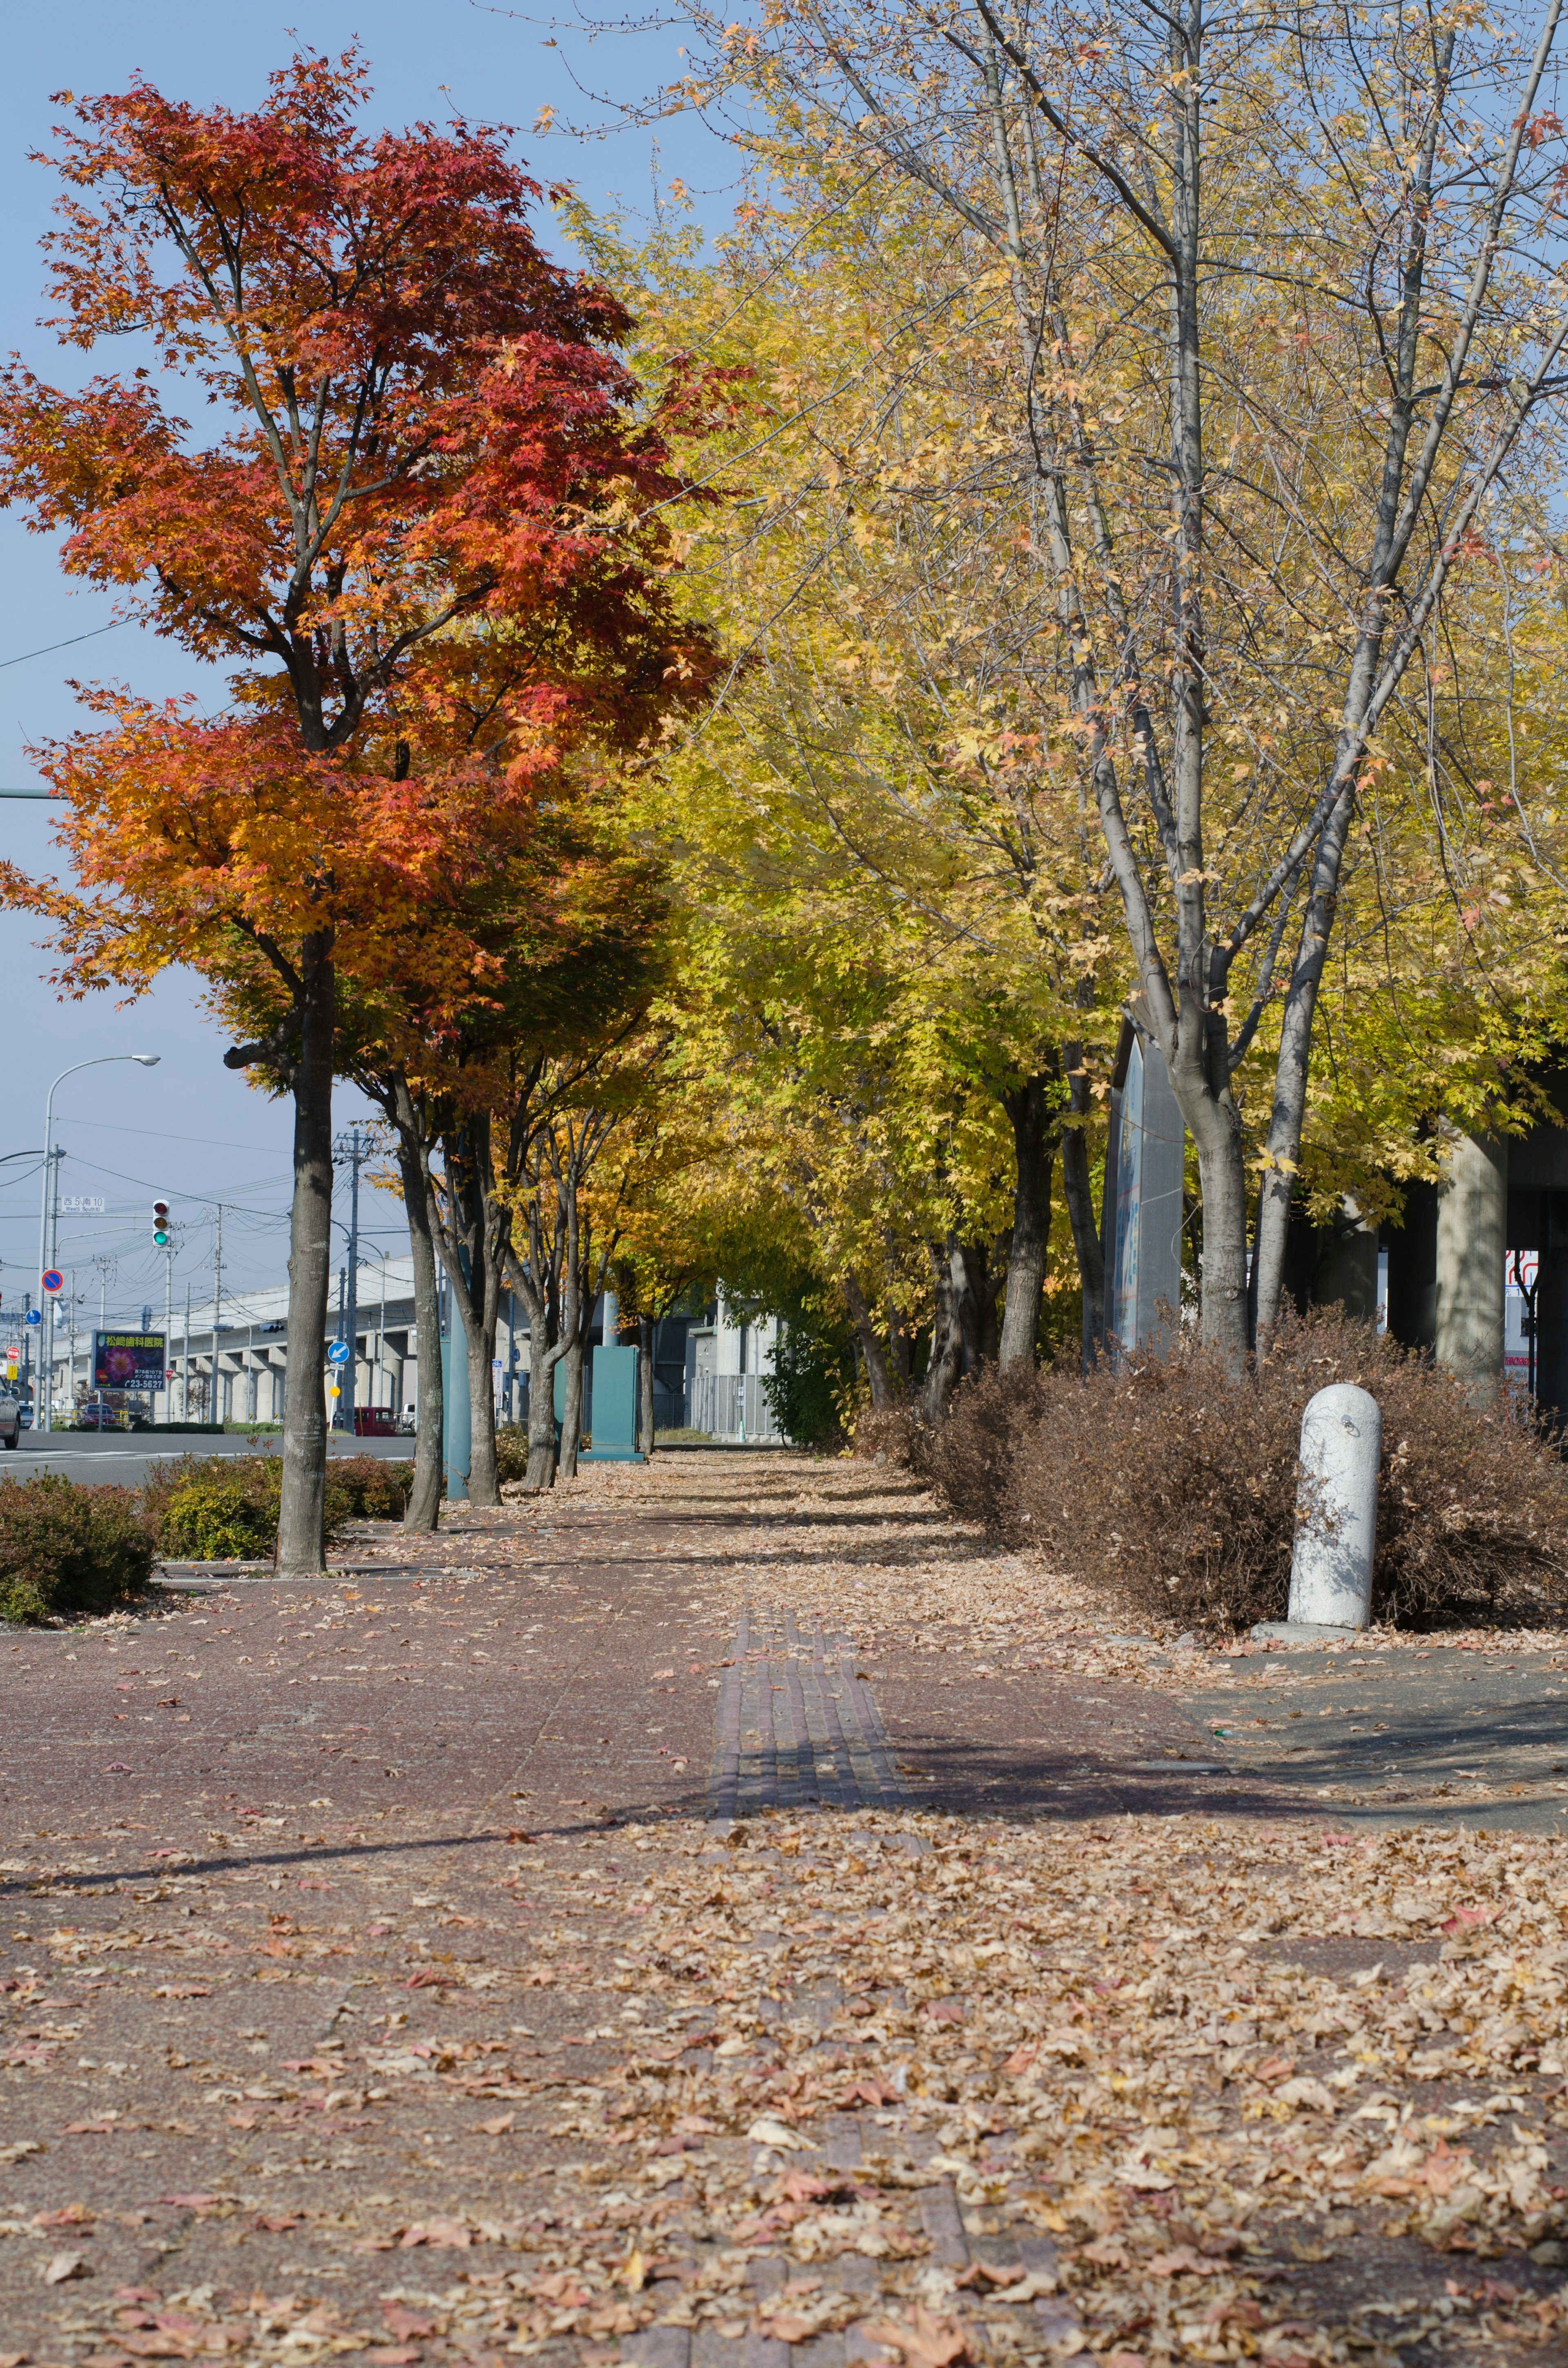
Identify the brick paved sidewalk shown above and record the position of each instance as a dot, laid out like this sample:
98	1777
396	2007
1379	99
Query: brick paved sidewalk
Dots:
404	1966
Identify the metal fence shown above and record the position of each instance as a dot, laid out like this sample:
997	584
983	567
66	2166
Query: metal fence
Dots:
731	1406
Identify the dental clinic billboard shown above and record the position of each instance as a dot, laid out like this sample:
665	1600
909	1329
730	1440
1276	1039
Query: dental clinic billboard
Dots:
128	1361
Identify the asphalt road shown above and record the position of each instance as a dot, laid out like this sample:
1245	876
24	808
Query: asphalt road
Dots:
126	1456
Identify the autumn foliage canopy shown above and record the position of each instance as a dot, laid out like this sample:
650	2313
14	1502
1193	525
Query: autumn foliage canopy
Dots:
429	534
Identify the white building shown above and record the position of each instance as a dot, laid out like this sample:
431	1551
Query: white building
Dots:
725	1361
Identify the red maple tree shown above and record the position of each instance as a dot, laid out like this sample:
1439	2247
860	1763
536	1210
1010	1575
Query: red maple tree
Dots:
428	532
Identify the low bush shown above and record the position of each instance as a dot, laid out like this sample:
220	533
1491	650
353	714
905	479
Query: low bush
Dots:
511	1452
65	1549
222	1508
810	1383
366	1489
1173	1488
890	1435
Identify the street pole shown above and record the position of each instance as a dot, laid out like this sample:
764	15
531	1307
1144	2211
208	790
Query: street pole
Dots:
185	1386
143	1061
381	1332
52	1251
358	1148
168	1330
217	1302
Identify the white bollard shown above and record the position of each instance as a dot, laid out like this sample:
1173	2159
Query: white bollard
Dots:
1336	1508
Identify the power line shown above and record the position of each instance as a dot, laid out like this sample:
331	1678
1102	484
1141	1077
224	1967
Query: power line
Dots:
68	643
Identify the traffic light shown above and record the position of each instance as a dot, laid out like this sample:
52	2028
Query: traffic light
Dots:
160	1225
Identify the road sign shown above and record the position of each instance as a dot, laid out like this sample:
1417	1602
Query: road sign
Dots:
171	1373
54	1281
35	1315
338	1353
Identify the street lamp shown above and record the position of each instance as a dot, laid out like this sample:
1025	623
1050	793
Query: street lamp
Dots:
46	1246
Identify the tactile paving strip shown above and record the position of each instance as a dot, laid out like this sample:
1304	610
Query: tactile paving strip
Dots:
797	1728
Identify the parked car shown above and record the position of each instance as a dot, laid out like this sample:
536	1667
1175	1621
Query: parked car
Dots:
408	1422
26	1418
10	1420
96	1416
375	1422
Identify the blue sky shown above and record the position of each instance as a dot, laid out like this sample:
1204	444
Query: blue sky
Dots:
191	1129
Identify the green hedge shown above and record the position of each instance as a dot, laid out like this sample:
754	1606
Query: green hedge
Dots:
221	1508
65	1549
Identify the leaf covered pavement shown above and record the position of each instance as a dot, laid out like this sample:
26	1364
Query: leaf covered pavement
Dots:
454	2030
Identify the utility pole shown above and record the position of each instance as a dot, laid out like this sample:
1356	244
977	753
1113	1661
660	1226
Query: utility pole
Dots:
356	1150
168	1331
185	1386
216	1414
336	1423
52	1251
106	1267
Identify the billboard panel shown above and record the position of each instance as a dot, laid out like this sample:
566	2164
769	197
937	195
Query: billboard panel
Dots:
128	1361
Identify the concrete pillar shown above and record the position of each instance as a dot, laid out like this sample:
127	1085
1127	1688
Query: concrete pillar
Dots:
1472	1228
1413	1271
1336	1508
1347	1271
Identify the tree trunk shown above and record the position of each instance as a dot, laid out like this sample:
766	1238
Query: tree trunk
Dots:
976	1300
424	1500
1033	1146
878	1380
947	1335
300	1517
572	1417
479	1342
1077	1190
646	1335
544	1358
1221	1179
471	1229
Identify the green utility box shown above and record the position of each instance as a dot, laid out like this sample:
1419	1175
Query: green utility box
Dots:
614	1426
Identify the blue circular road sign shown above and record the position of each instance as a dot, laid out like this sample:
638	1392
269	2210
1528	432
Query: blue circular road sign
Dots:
35	1315
338	1353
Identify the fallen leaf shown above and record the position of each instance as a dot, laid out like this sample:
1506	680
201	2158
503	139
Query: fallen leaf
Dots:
770	2133
63	2266
403	2322
499	2126
437	2233
1305	2090
925	2341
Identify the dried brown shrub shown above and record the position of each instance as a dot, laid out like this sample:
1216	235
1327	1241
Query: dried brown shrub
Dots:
1173	1487
896	1433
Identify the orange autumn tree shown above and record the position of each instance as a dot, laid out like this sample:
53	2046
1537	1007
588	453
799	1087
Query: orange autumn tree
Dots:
425	482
